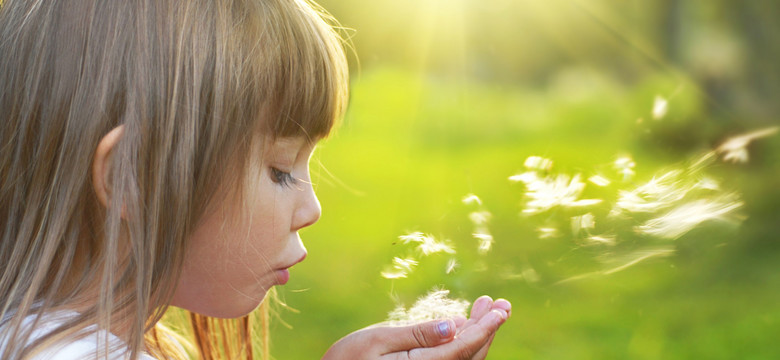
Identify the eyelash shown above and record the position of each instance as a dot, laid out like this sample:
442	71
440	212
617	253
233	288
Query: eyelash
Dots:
282	178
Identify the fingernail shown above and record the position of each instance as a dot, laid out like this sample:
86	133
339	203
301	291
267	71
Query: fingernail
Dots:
444	329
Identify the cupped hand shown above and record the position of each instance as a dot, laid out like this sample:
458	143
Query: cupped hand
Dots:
446	339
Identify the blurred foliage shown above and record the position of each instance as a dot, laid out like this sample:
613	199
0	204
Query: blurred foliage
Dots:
451	97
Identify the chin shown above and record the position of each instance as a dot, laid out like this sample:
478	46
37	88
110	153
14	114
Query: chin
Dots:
227	310
238	310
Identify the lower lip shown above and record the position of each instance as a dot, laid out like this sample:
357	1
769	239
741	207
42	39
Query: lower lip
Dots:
283	276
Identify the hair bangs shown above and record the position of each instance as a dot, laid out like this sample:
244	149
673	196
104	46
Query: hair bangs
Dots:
307	86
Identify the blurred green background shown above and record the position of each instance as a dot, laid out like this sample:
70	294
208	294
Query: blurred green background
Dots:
449	97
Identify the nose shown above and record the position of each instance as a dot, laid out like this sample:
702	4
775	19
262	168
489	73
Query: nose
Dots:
309	210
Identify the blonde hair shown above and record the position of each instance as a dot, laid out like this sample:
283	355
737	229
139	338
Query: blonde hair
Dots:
192	83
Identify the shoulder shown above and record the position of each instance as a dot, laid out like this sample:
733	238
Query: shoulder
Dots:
85	347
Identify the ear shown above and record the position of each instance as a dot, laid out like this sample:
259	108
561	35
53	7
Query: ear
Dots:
101	164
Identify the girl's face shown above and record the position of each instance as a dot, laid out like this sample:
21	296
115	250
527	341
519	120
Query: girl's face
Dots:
237	252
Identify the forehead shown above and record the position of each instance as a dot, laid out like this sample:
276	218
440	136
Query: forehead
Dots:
285	143
287	146
288	141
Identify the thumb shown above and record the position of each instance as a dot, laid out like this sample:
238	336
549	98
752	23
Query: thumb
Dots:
422	335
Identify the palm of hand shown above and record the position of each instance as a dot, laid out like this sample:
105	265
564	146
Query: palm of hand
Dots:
459	338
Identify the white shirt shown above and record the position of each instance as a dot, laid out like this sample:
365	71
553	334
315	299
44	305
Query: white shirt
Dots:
81	349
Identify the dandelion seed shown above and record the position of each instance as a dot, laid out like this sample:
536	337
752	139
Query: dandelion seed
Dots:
452	264
547	232
404	264
602	240
703	161
583	223
413	237
684	218
738	155
599	180
400	269
624	162
538	163
657	194
435	305
485	242
549	192
480	217
432	247
708	184
427	244
471	199
627	174
660	107
735	149
526	177
625	166
585	203
393	274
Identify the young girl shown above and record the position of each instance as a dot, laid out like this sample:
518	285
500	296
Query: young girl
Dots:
154	153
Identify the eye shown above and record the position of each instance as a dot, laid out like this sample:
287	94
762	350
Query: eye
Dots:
281	177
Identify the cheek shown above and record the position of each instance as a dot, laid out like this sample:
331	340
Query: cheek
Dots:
236	251
256	247
229	263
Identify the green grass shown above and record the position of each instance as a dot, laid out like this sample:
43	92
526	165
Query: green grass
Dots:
411	147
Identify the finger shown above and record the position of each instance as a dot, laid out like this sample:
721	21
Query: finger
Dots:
467	344
481	307
423	335
503	304
482	353
459	321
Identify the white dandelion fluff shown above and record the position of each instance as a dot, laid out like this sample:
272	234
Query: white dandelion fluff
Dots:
434	305
480	217
625	166
471	199
412	237
427	244
547	232
708	183
660	107
452	265
584	222
657	194
547	193
735	148
687	216
602	239
394	274
599	180
538	163
485	242
526	177
400	268
404	263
